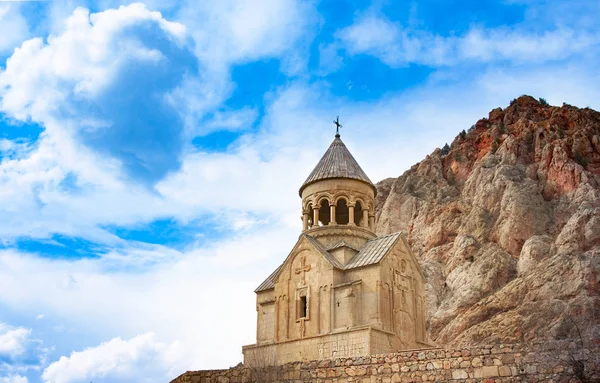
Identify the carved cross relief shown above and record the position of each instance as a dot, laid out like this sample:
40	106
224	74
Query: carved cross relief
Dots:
304	268
402	283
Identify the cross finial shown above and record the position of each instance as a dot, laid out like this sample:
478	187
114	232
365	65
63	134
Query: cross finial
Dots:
337	126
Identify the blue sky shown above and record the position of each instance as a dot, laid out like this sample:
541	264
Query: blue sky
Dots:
151	153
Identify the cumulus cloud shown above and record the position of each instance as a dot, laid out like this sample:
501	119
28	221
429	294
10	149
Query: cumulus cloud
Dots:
119	360
105	127
90	83
13	341
127	303
13	27
14	379
397	46
19	353
233	31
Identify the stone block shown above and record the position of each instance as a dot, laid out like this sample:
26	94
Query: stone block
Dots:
489	371
459	374
504	371
531	369
476	362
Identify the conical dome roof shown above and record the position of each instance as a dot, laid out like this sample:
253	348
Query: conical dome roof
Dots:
337	162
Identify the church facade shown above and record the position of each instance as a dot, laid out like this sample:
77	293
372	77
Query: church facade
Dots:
342	291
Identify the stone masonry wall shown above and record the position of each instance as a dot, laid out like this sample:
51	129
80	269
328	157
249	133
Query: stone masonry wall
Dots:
539	362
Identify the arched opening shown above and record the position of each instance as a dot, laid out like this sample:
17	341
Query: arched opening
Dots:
324	216
309	211
341	212
358	213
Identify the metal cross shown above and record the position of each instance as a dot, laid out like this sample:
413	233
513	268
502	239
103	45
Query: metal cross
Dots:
303	269
337	126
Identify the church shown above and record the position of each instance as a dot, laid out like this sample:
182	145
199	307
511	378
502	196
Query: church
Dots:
342	291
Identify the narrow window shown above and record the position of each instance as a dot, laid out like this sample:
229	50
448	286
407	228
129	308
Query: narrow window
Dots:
303	307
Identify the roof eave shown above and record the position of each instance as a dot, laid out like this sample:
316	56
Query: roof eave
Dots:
304	186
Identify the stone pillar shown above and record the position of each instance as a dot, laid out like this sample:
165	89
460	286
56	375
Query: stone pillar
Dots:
315	217
305	218
332	214
365	219
319	310
351	214
372	222
277	299
378	316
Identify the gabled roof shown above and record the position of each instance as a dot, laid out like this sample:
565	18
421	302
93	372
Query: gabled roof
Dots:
337	162
371	253
334	262
342	243
269	283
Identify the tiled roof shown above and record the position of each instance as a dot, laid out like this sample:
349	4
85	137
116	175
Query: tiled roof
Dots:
337	162
269	283
373	251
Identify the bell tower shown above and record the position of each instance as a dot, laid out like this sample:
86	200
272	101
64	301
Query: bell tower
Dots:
338	199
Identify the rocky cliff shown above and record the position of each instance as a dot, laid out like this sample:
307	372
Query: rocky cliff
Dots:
506	224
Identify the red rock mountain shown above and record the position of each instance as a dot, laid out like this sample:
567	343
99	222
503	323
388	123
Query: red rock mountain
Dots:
506	225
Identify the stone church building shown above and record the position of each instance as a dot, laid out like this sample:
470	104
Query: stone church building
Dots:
342	291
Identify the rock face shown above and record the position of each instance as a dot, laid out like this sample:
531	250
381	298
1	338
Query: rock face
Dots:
506	225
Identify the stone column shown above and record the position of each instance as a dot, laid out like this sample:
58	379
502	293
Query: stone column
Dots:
331	308
372	222
319	311
277	299
365	219
378	294
315	217
351	214
305	218
332	214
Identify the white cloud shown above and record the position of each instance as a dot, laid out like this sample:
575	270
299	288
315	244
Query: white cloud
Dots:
234	31
81	60
19	352
14	379
201	305
119	361
398	46
13	341
13	27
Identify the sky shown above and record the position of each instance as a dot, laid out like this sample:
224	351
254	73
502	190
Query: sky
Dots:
151	152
